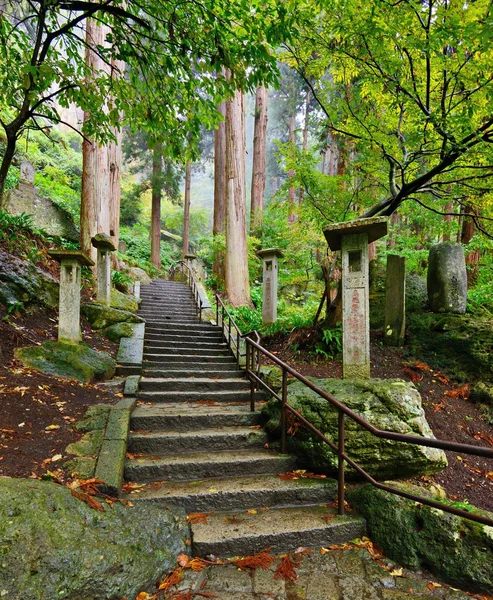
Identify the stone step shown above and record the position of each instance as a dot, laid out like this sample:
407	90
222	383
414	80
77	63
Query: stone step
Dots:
165	359
226	438
176	320
164	311
252	492
214	396
183	350
182	328
189	416
201	465
193	384
192	347
213	336
281	530
227	373
166	293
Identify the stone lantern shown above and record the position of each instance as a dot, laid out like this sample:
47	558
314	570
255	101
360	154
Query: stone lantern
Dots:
270	258
104	246
71	262
352	239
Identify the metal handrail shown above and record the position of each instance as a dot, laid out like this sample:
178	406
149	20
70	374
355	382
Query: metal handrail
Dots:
191	282
234	344
253	351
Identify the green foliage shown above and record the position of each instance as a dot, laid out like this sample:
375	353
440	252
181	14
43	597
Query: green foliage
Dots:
120	279
130	206
331	344
138	251
12	178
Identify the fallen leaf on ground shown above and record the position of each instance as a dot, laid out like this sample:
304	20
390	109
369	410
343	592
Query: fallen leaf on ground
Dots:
461	392
249	563
485	437
286	569
89	500
194	518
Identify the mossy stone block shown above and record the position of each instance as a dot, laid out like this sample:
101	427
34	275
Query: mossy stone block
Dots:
457	550
83	466
118	425
88	445
67	360
52	545
131	385
123	301
118	331
95	417
101	317
110	465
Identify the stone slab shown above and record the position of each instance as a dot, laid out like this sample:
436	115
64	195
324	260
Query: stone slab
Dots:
126	404
110	465
375	227
131	349
61	255
131	385
118	425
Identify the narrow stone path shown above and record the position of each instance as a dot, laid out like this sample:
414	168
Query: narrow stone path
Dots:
194	442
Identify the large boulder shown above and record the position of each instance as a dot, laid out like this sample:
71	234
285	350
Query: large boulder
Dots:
21	282
52	545
447	278
67	360
138	274
124	301
100	316
393	405
119	330
415	535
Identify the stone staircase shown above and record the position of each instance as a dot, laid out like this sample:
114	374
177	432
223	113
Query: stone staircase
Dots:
195	443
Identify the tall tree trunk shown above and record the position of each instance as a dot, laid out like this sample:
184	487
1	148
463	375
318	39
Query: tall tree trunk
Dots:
258	168
447	219
4	168
89	197
115	166
186	212
305	139
473	256
291	174
219	192
236	260
157	185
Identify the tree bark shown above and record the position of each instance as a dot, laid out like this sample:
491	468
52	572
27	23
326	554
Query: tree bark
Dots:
115	165
4	168
472	257
186	212
305	139
157	184
291	174
236	260
219	192
258	168
447	219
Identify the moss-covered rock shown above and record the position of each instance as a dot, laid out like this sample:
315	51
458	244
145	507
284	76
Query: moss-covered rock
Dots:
67	360
95	417
83	466
272	376
52	545
118	330
392	405
88	445
100	316
23	283
415	535
124	301
459	345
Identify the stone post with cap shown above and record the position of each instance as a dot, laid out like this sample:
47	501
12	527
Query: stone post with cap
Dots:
270	258
71	262
104	247
352	239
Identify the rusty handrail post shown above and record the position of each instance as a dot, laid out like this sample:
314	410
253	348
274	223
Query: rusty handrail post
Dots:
340	465
238	348
229	331
283	410
217	311
200	310
222	320
250	356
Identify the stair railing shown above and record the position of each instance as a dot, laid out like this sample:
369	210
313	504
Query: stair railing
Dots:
181	266
290	415
232	333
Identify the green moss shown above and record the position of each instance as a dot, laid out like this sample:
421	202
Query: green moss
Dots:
52	545
415	535
118	330
100	316
67	360
88	445
124	301
83	466
95	417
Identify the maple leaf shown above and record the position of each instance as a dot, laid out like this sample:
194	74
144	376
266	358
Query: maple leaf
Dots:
439	406
485	437
89	500
286	569
413	376
262	559
172	579
194	518
461	392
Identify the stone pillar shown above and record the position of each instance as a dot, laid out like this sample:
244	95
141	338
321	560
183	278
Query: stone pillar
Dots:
71	262
270	258
447	279
104	246
137	289
395	301
352	238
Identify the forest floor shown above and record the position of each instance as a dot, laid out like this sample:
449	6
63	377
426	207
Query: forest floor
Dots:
450	414
36	410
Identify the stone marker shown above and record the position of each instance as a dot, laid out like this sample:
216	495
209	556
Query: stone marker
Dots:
270	257
71	262
352	238
447	278
137	289
27	172
395	301
104	246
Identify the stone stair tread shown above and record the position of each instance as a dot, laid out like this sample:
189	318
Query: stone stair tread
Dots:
218	457
179	408
205	433
236	486
264	524
212	395
195	380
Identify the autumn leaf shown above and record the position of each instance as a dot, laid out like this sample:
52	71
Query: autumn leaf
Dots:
461	392
286	569
485	437
183	560
194	518
439	406
413	376
172	579
301	474
89	500
249	563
